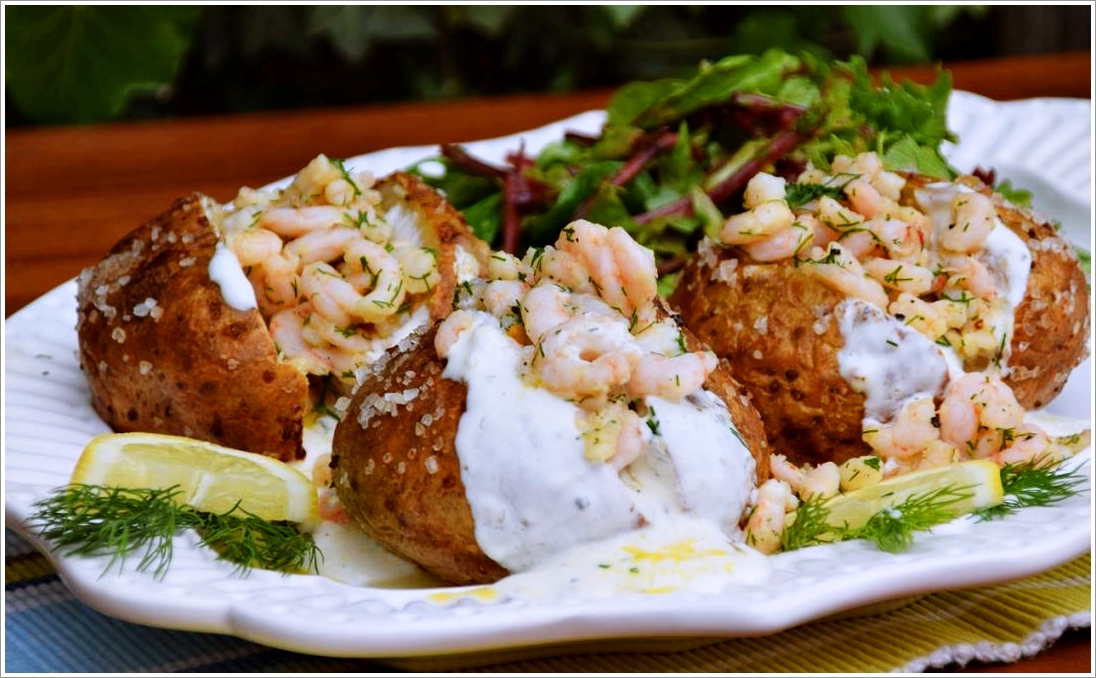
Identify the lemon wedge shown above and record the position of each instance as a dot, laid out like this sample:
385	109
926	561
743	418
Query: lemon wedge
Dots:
979	479
211	477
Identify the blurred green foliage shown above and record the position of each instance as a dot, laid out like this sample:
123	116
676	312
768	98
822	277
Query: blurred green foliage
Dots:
77	64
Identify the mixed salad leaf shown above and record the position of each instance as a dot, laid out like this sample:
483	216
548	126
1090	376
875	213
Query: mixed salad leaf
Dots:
674	155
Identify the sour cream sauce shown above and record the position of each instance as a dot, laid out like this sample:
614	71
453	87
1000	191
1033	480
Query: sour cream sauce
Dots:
887	361
226	271
535	497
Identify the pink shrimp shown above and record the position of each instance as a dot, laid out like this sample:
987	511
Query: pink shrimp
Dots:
294	222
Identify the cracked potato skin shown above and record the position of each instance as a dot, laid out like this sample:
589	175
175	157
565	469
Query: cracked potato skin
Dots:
400	481
777	327
193	366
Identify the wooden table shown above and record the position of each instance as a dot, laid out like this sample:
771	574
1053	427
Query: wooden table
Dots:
71	192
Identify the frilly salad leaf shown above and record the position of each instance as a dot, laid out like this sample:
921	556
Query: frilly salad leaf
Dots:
674	155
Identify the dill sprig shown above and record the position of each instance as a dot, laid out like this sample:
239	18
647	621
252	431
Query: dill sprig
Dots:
892	528
810	525
96	520
1032	484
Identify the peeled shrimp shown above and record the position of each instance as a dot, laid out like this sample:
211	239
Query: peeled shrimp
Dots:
620	270
328	292
672	378
287	330
587	357
977	400
763	187
293	222
758	223
837	216
971	274
900	275
369	260
973	217
911	432
451	329
864	198
847	276
328	244
823	480
899	238
254	246
781	245
503	296
543	309
767	521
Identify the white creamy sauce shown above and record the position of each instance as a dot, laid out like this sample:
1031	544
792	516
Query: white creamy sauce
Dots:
1007	256
564	524
711	468
535	495
675	554
226	271
1004	253
887	361
527	480
351	557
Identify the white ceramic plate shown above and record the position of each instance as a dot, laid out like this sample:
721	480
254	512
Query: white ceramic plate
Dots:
1041	144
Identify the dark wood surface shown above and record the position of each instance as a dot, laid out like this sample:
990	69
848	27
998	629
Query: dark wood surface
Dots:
71	192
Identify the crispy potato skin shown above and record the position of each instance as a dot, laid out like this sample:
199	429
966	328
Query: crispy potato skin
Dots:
777	328
202	368
790	369
400	481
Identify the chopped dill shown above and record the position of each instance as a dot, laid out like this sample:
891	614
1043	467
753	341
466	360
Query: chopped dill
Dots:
798	195
338	163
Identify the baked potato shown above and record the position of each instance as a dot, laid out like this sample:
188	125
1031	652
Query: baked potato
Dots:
974	283
532	419
233	323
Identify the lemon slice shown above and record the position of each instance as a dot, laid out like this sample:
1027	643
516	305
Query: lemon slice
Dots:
211	478
979	479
